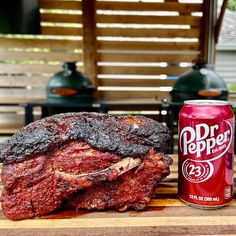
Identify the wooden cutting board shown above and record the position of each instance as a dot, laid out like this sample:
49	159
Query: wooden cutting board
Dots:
164	215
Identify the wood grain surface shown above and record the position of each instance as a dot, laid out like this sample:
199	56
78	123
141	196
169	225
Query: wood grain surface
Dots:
164	215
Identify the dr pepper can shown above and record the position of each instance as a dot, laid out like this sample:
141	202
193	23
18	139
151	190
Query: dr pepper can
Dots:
206	151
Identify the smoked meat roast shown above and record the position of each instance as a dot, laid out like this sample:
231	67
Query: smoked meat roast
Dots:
83	161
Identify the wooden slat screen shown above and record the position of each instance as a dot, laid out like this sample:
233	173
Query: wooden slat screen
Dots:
27	61
141	47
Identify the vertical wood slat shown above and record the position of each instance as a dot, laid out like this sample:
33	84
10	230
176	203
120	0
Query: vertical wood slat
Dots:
220	19
89	39
208	32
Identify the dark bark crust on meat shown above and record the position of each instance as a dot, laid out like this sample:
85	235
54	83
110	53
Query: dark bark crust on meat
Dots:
123	135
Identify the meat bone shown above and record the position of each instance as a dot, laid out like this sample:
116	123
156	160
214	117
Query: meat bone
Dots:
111	173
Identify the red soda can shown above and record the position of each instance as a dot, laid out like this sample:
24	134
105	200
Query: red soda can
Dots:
206	151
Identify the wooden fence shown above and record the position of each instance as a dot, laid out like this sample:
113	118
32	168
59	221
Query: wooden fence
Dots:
129	49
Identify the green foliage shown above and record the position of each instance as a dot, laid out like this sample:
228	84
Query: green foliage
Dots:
232	5
232	87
